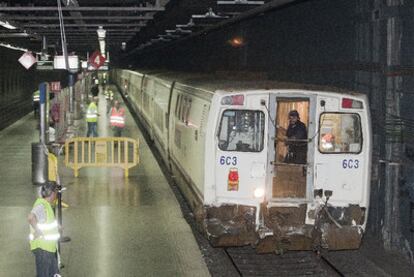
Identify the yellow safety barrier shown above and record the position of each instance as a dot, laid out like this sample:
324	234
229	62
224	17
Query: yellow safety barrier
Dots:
101	152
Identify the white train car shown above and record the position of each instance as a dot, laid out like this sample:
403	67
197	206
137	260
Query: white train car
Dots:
248	175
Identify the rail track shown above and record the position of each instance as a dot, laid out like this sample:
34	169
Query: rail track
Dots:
293	263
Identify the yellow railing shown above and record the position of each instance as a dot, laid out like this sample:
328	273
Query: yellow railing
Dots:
101	152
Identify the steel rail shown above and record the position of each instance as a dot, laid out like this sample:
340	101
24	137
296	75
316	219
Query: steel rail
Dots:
84	25
105	17
82	9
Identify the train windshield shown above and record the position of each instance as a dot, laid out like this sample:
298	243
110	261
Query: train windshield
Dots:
340	133
242	130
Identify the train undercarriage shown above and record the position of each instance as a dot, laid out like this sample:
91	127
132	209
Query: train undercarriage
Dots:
284	228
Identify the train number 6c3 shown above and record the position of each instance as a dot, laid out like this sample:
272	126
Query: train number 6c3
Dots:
228	160
350	163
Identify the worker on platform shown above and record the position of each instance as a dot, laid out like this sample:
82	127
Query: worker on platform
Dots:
92	118
109	97
44	232
117	119
36	103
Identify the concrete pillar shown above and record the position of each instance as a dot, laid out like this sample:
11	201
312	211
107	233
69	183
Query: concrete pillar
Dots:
43	112
393	146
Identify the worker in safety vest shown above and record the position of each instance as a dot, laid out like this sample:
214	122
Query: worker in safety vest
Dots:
44	232
117	119
92	118
36	102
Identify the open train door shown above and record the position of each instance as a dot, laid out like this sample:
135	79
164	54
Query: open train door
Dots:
292	155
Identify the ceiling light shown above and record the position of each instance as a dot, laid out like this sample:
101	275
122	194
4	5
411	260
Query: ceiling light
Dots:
237	42
101	33
7	25
9	46
101	37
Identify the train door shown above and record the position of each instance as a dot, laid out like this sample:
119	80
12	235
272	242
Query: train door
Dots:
292	152
241	152
342	158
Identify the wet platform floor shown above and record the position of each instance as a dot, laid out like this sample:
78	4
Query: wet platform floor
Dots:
117	226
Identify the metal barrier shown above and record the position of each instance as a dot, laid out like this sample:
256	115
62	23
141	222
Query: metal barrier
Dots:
101	152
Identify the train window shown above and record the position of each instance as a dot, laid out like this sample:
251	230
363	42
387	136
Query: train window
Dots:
187	110
242	130
183	107
177	105
184	110
340	133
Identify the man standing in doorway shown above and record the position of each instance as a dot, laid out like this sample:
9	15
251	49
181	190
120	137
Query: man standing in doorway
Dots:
92	118
296	139
44	232
117	119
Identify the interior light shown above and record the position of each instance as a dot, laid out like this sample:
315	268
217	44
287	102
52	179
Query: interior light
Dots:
7	25
348	103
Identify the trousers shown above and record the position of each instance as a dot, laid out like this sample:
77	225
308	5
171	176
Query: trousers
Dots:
117	131
46	263
92	129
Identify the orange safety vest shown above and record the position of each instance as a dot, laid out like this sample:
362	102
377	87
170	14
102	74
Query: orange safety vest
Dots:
117	118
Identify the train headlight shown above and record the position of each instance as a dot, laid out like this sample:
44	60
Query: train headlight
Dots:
259	192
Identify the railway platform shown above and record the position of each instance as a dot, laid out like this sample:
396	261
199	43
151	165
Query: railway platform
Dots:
118	226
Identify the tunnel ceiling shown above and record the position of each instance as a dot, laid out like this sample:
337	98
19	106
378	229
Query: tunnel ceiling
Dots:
138	24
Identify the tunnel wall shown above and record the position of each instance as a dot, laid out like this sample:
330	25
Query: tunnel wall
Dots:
17	86
361	45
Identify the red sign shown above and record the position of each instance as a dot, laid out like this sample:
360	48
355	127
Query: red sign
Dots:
55	86
97	60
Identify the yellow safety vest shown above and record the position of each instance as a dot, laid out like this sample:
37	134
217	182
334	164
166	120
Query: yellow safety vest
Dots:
36	96
92	113
48	241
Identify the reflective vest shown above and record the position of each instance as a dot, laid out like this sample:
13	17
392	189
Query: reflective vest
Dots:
36	96
48	241
92	113
118	118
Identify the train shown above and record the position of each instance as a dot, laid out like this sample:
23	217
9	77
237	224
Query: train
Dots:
230	142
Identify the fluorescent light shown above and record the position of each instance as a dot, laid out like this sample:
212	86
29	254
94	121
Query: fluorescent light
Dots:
9	46
13	47
7	25
102	47
101	33
14	35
